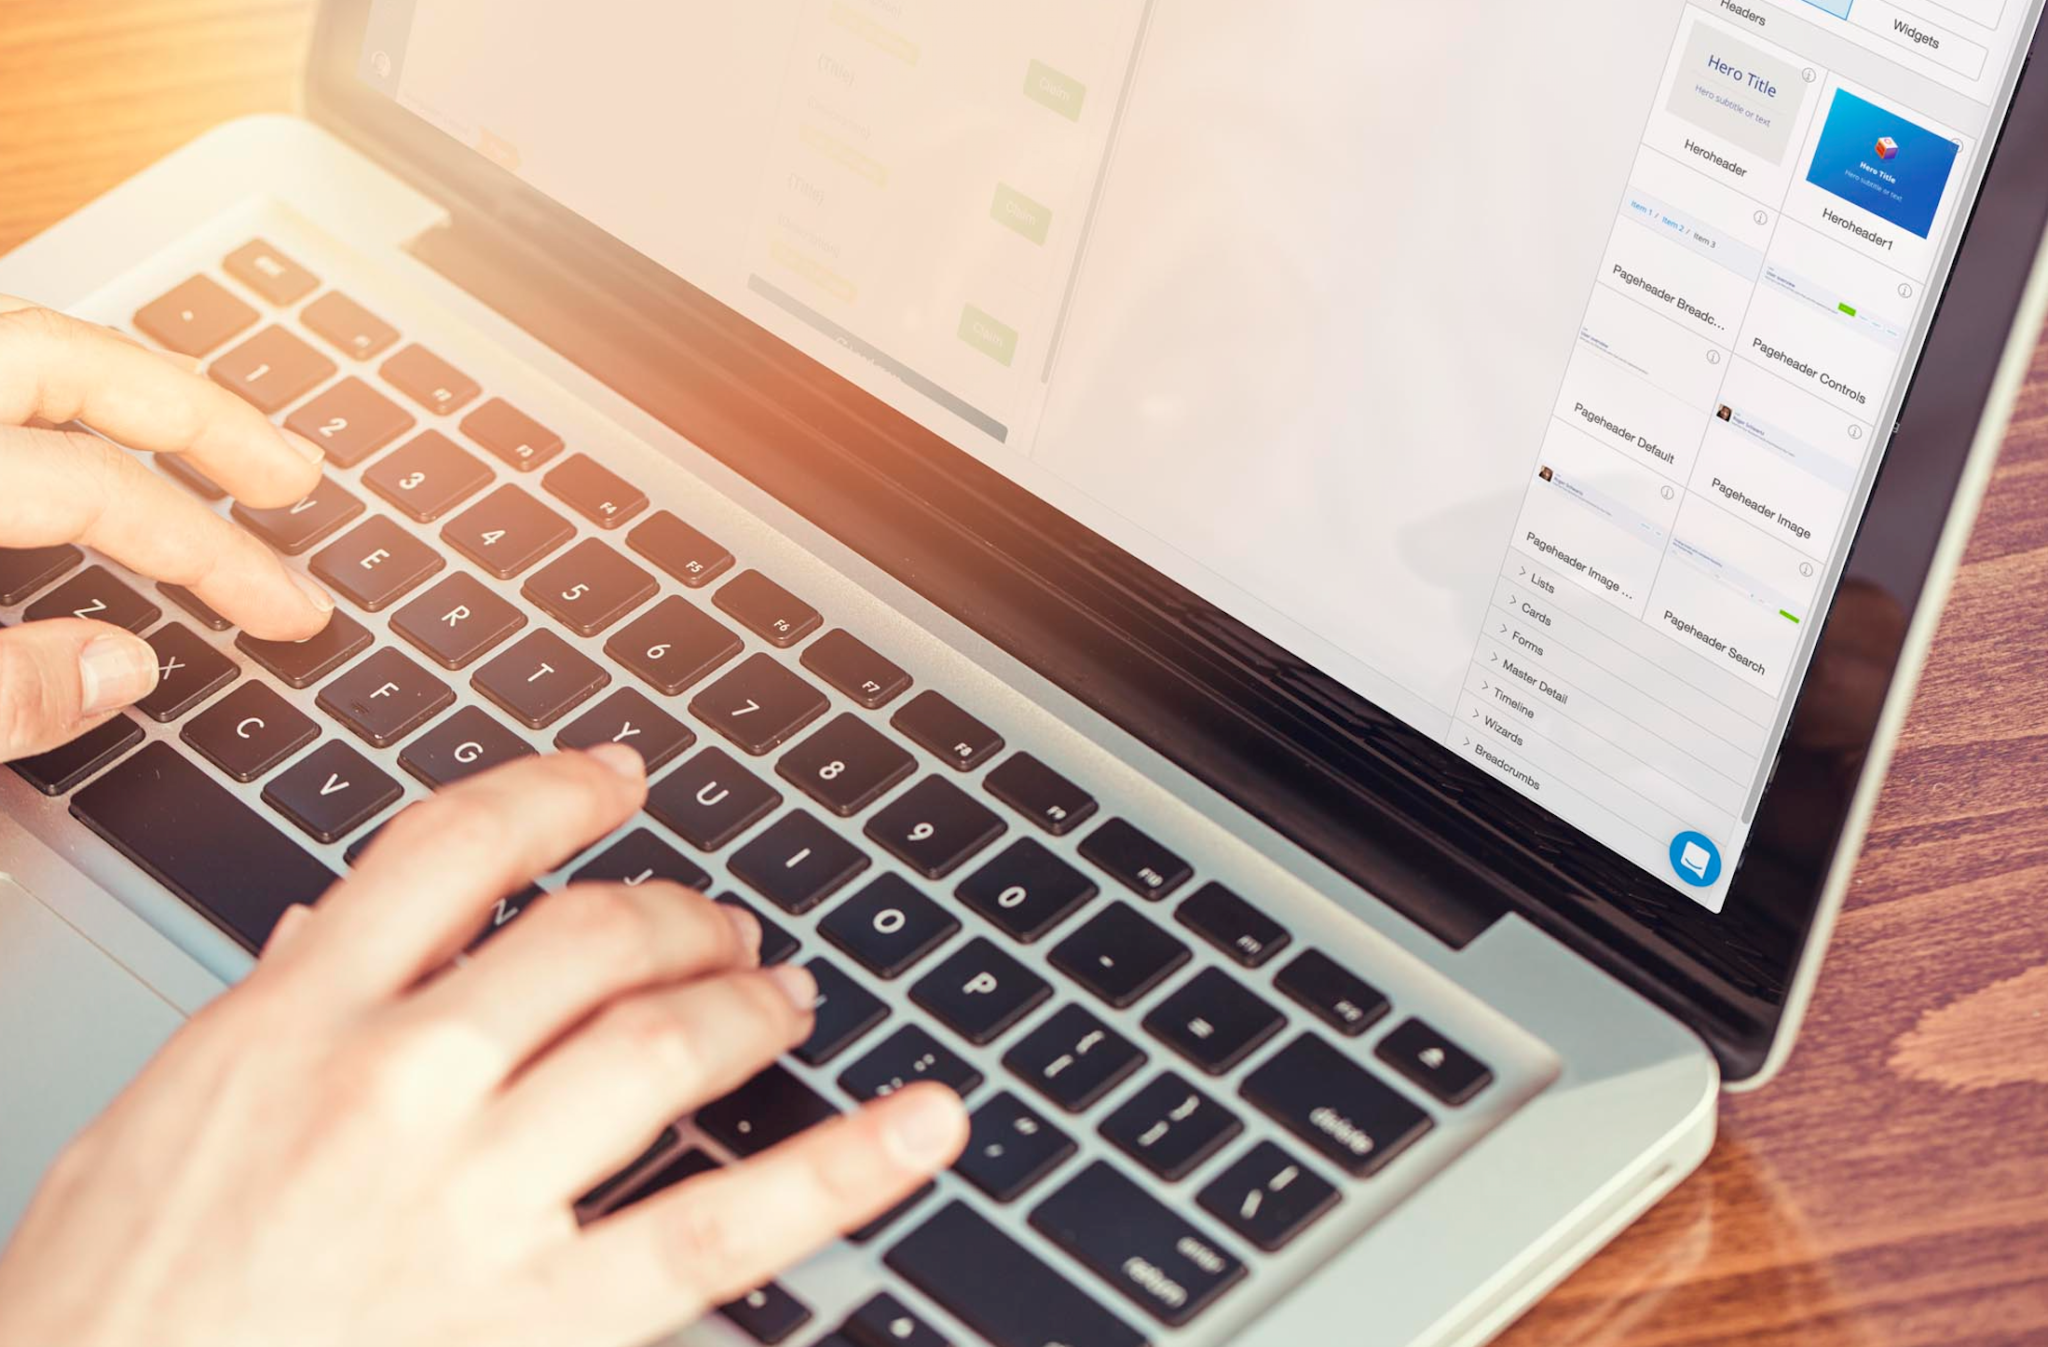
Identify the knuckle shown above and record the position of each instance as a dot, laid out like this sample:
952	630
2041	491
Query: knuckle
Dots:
704	1247
606	925
653	1033
457	823
29	709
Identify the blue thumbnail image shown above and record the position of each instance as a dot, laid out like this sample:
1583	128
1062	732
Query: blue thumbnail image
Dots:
1891	167
1838	8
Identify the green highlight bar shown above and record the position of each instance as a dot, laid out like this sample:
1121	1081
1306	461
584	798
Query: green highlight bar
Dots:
1788	617
1848	309
989	335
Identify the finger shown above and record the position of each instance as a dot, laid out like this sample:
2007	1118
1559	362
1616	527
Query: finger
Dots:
290	923
64	369
62	677
573	952
591	1103
718	1236
79	488
421	890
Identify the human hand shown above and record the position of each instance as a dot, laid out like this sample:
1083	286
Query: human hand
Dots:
60	678
371	1142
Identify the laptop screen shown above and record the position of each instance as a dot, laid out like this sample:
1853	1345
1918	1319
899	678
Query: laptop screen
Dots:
1526	373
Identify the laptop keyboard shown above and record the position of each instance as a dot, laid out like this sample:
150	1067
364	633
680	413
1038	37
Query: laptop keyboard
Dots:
484	557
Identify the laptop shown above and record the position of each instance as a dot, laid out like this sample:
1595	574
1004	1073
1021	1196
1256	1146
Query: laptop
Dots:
1307	604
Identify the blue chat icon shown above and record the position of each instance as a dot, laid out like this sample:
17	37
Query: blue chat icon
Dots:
1695	859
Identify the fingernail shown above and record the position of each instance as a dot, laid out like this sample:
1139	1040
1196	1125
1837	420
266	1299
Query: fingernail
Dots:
302	446
924	1128
797	984
621	759
114	671
745	927
315	595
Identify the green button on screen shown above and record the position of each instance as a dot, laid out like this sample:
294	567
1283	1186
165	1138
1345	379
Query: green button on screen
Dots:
1014	210
1062	93
990	336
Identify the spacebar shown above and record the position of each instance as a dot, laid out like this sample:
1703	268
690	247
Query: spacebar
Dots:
996	1287
196	839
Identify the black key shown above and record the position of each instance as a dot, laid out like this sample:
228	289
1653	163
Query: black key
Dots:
1268	1197
429	380
291	529
979	992
271	370
198	608
904	1058
937	725
1346	1003
301	664
589	587
507	531
711	799
503	912
595	491
679	549
1026	890
195	317
1170	1128
846	766
353	329
1137	1244
847	663
1000	1289
540	679
767	609
642	1178
1213	1021
776	943
1074	1059
249	731
627	717
188	671
190	834
189	477
889	926
385	698
768	1110
758	704
886	1322
1335	1105
883	1222
1246	935
845	1011
767	1314
1010	1149
356	848
270	273
640	856
1134	860
1435	1063
934	827
350	421
24	570
376	563
331	792
95	593
457	620
1119	955
512	435
459	747
672	644
63	767
797	862
428	476
1040	794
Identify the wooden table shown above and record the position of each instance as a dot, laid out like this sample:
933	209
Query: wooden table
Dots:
1890	1189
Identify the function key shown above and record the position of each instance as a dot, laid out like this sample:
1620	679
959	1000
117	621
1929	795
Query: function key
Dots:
195	607
195	317
376	564
291	529
507	531
1074	1059
979	992
429	380
460	747
1026	890
270	273
639	857
1134	860
679	549
934	827
301	664
1040	794
904	1058
511	435
457	620
1434	1062
1170	1128
62	768
759	704
889	926
331	792
886	1322
189	670
797	863
428	476
249	731
846	766
627	717
1351	1118
589	587
845	1012
767	1314
765	1112
848	664
776	944
385	698
1137	1244
1213	1021
1268	1197
94	593
1346	1003
1010	1149
1119	955
1000	1289
595	491
350	421
540	679
673	644
271	370
24	570
767	609
937	725
710	800
347	326
1231	924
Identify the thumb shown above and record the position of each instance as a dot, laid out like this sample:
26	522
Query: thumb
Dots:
60	678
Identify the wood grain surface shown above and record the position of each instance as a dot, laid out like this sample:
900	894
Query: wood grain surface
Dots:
1890	1190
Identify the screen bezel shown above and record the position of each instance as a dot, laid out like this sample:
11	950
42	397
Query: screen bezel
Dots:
1379	801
